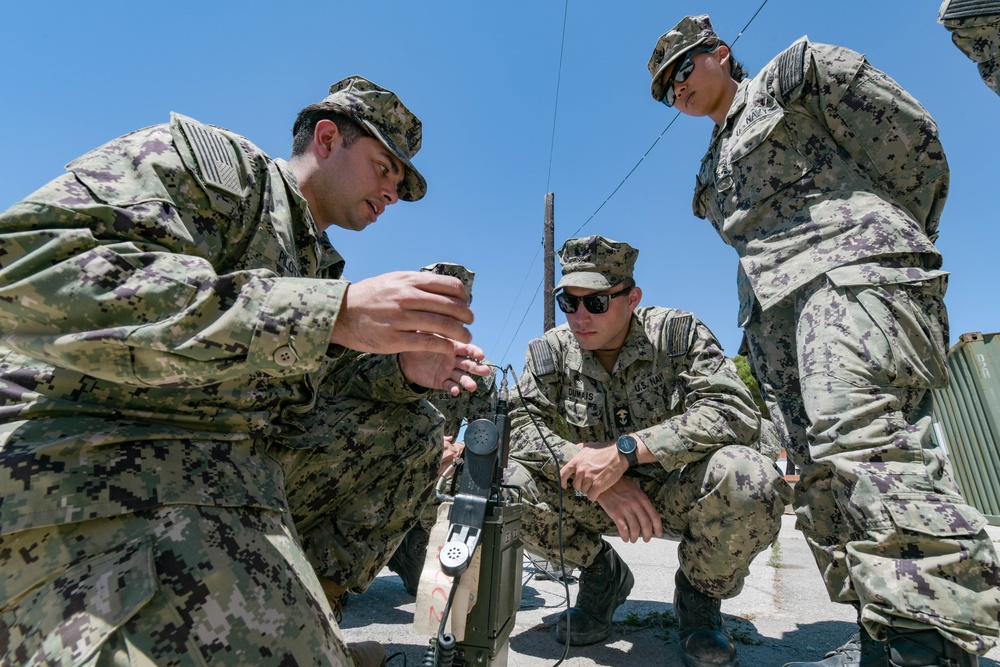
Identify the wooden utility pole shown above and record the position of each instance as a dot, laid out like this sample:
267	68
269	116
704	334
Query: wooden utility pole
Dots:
549	280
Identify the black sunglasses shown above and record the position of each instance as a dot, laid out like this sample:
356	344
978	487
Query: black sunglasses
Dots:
681	72
594	303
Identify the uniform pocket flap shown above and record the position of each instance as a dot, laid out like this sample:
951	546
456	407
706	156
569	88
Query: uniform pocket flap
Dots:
96	597
932	517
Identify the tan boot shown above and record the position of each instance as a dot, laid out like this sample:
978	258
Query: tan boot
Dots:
336	595
367	654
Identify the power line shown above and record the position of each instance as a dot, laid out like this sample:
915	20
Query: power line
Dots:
617	187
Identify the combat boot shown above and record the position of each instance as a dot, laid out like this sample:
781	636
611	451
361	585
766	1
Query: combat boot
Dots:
367	654
604	586
925	648
336	595
704	639
408	559
859	651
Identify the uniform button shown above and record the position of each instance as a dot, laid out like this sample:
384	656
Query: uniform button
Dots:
285	356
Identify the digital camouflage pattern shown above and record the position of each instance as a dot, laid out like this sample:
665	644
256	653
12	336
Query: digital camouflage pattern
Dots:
867	177
829	179
674	387
975	30
382	113
692	32
166	309
133	589
455	271
884	519
594	262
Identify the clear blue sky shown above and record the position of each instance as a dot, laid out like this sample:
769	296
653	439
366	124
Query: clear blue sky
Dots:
483	79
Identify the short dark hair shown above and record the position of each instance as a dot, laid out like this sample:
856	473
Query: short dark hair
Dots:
305	126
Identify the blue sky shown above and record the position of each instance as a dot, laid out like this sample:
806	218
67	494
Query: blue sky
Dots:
483	79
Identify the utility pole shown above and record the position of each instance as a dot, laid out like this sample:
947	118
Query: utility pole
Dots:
549	277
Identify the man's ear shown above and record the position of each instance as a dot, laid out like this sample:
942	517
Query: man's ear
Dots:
634	297
326	138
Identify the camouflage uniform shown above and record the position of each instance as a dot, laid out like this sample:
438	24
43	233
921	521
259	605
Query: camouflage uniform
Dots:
975	30
169	398
674	387
828	179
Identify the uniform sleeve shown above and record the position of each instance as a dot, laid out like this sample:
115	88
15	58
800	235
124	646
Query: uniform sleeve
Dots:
718	409
881	127
535	420
373	377
131	291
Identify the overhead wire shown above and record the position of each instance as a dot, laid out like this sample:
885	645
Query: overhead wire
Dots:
548	177
613	192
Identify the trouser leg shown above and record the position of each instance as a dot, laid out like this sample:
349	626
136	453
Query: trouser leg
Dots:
886	522
180	585
357	481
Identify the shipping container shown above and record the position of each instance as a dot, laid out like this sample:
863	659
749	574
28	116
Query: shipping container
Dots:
967	420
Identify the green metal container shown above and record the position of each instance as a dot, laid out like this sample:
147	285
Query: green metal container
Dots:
967	420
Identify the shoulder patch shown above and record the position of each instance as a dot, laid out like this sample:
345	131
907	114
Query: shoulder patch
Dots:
791	67
678	335
216	157
542	361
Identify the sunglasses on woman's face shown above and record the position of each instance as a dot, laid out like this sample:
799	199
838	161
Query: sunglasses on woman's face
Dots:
681	72
594	303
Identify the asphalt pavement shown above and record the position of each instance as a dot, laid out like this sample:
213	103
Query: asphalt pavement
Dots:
782	615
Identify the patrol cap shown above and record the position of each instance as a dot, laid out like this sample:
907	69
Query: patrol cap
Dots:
692	31
595	262
383	115
455	271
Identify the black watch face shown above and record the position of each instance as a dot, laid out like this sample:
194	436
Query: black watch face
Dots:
626	444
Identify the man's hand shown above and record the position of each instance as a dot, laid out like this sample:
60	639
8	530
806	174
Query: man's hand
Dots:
632	511
451	372
452	451
594	469
405	311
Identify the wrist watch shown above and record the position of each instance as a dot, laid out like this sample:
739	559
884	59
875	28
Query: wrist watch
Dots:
627	446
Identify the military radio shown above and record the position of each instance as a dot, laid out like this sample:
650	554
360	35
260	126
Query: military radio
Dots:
482	517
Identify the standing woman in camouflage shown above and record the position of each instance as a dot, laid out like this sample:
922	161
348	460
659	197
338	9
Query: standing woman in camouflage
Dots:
829	179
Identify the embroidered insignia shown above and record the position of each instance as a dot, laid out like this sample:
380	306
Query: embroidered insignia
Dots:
791	67
542	361
678	335
623	418
216	157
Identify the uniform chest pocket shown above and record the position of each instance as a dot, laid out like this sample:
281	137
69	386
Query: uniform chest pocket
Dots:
656	404
758	159
580	413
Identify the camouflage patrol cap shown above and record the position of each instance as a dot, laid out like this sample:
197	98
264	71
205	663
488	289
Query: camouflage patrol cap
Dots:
382	113
455	271
595	262
692	31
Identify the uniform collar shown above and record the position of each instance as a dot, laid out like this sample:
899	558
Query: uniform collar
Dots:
636	347
739	101
329	262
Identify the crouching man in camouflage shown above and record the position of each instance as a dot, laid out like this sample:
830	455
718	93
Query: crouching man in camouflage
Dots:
198	415
651	427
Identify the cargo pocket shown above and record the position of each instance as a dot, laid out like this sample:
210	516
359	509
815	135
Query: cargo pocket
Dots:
67	619
930	516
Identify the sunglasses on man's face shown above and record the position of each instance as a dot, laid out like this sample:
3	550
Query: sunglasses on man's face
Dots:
594	303
681	72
